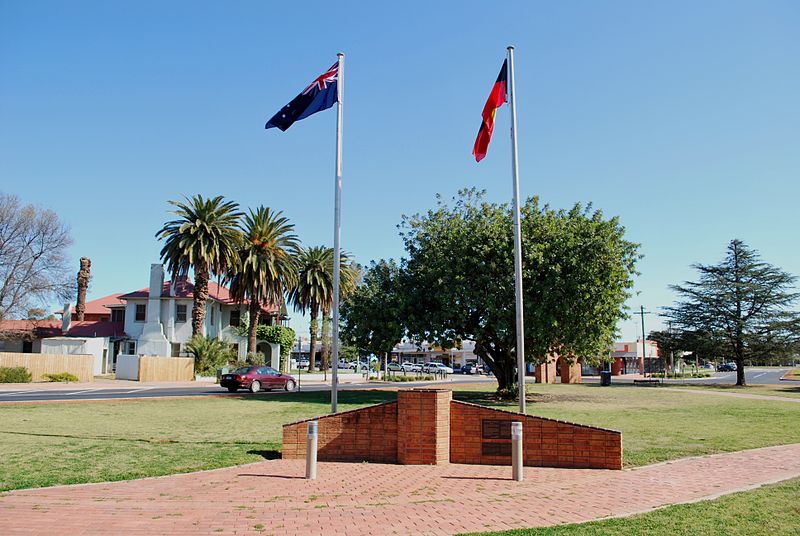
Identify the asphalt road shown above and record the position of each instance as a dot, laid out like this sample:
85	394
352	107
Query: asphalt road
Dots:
753	376
104	393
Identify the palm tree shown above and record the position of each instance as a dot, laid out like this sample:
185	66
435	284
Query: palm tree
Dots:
349	274
267	266
204	236
314	288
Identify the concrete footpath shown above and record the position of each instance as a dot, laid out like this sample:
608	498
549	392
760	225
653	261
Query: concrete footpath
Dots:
272	497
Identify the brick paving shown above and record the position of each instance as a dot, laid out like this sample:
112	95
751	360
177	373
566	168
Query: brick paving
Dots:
271	497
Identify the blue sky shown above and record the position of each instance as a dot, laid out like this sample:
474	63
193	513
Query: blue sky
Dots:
682	118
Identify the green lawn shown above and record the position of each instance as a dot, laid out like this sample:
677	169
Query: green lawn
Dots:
789	389
660	425
771	510
47	444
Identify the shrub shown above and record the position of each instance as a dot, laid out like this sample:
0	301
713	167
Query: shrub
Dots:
509	393
396	378
278	335
209	354
256	358
15	375
60	377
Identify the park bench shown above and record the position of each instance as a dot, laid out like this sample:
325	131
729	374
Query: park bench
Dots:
651	381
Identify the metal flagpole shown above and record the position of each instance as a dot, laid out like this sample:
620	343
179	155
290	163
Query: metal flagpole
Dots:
517	235
337	224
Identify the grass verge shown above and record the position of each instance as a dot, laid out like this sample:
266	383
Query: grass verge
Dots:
57	443
771	510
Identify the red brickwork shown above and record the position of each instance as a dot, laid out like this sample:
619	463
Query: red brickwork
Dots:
423	425
546	372
547	442
426	427
362	435
570	372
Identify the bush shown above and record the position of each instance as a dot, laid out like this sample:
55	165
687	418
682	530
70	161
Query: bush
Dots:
396	378
509	393
60	377
15	375
209	354
256	358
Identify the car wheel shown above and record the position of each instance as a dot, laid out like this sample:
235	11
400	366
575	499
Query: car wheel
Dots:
231	389
290	385
255	386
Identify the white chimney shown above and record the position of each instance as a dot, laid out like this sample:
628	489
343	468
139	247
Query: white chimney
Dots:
66	319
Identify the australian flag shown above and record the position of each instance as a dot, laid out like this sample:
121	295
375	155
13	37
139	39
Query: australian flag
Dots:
318	96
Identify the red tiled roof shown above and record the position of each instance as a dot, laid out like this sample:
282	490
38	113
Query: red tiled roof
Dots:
185	289
100	306
52	328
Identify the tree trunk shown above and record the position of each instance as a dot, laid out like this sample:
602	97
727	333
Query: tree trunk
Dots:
312	332
83	283
200	298
326	340
255	315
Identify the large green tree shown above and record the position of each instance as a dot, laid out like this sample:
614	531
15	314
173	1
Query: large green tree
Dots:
313	289
267	266
373	316
459	279
743	306
204	236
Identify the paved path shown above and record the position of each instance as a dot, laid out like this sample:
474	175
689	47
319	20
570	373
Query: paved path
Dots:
358	499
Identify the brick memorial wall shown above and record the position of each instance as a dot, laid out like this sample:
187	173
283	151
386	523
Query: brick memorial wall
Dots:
427	427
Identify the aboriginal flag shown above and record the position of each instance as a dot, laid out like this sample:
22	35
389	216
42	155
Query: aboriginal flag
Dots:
320	95
496	99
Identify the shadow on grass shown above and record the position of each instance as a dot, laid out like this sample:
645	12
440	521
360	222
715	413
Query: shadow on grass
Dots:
266	454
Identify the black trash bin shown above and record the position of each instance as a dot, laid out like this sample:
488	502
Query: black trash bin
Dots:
605	378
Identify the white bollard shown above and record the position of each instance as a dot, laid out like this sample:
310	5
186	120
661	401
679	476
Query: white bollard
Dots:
311	450
516	451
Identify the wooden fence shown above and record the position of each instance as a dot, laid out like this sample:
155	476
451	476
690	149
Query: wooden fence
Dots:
166	369
81	365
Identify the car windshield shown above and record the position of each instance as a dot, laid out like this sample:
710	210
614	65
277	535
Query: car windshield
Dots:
242	370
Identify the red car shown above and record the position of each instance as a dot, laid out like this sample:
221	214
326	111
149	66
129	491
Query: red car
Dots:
256	378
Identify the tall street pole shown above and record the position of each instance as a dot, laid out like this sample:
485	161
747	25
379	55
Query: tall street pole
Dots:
517	235
337	224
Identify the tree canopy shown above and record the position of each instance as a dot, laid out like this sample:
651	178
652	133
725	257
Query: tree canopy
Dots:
372	317
459	279
742	307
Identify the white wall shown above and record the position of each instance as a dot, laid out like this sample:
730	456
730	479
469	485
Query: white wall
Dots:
127	367
73	345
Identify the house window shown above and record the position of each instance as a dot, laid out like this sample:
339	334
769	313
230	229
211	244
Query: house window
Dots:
236	348
141	312
212	315
118	315
236	317
180	312
27	347
130	347
176	347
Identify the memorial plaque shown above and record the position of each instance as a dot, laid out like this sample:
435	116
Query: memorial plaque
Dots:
495	449
496	429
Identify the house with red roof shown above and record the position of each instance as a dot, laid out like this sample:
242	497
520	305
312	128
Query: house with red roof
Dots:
155	320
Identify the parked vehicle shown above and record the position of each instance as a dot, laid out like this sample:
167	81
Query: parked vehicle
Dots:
303	363
470	368
395	366
727	367
256	378
434	367
411	367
